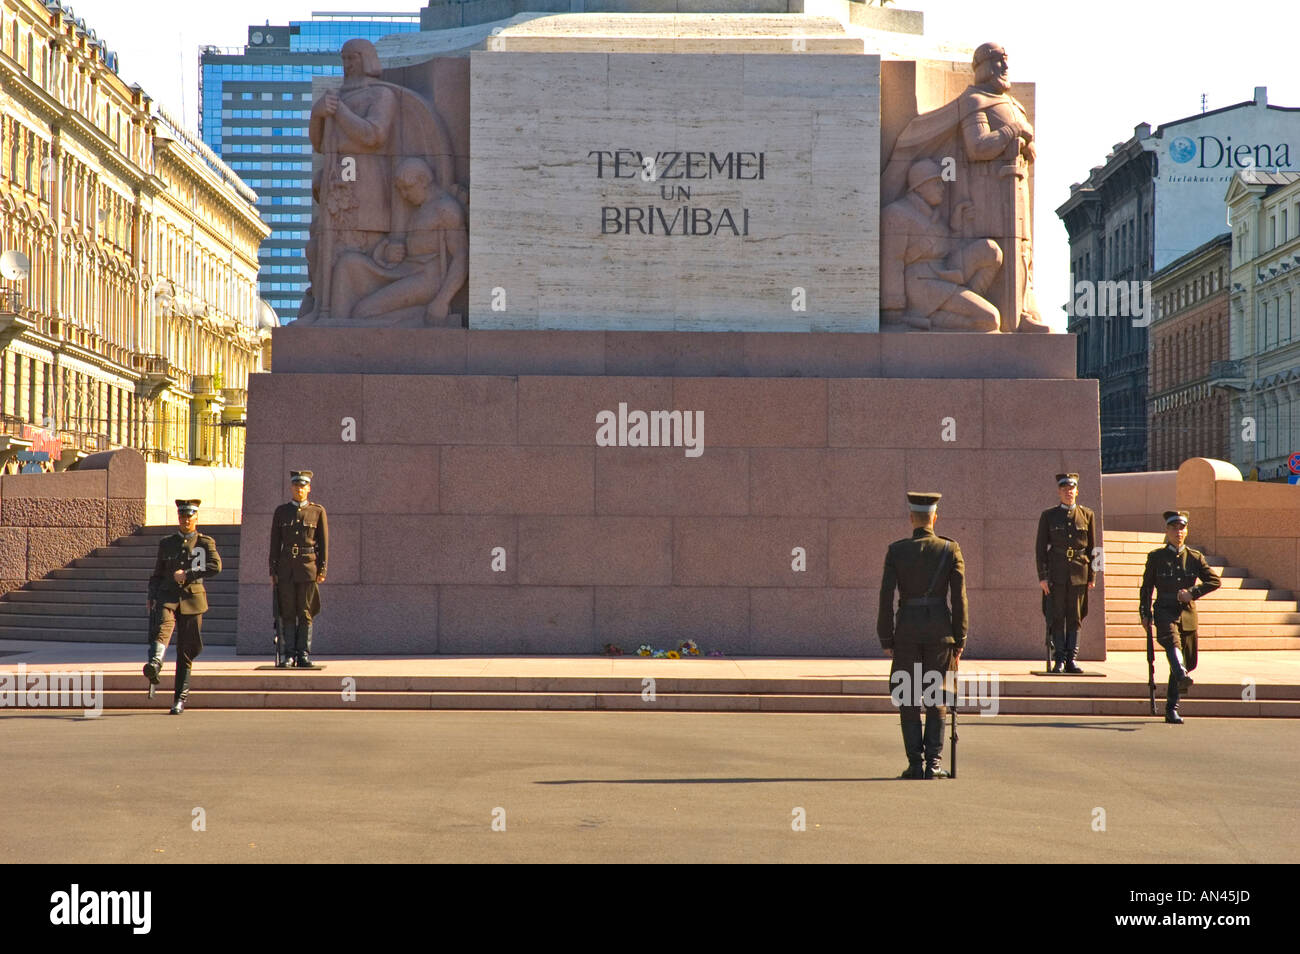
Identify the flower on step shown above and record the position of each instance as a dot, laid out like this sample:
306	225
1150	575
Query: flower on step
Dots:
644	650
659	654
612	650
673	654
689	648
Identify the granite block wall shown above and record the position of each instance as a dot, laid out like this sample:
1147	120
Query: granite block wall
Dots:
477	513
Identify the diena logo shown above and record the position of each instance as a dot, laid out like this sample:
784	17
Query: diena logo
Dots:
1216	153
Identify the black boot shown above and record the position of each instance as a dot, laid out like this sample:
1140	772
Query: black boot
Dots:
302	644
1071	650
1172	716
284	654
182	687
934	725
154	666
915	746
1058	650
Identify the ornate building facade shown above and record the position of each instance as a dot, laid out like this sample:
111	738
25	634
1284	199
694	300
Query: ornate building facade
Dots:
137	322
1262	375
1189	336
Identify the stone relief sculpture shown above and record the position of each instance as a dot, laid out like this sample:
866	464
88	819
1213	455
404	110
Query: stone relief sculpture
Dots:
389	240
982	142
931	278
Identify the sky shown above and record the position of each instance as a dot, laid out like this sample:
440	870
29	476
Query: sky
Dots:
1100	67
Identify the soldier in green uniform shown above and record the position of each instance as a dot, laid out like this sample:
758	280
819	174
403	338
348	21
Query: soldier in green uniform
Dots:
177	599
1172	572
299	553
1064	551
926	637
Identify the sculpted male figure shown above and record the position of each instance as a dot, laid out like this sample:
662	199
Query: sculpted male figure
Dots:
999	144
352	128
929	279
986	134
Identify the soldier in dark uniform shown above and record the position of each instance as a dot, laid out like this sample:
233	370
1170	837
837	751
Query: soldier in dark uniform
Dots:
177	599
929	573
1172	571
1064	551
299	553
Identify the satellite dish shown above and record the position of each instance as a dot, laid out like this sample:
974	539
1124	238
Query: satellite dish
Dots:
14	265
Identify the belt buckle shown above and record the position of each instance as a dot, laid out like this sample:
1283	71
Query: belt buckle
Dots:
294	551
1069	553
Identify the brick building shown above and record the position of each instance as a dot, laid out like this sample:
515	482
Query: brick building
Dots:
1189	332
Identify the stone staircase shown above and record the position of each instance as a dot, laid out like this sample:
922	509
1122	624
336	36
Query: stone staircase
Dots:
1245	613
100	598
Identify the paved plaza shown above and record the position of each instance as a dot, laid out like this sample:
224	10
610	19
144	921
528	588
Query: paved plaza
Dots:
285	786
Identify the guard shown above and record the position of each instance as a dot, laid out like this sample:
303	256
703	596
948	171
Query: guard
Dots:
1172	572
1064	552
928	634
177	599
299	551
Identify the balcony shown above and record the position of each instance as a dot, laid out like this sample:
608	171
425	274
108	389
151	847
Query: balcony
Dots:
156	375
236	406
206	386
12	320
1229	375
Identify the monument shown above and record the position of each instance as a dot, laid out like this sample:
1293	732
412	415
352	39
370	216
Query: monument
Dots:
660	378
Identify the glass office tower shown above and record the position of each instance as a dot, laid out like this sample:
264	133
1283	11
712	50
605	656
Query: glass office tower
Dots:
253	111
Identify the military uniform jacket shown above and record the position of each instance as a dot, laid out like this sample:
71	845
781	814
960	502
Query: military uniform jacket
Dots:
198	557
1168	572
910	567
1064	549
299	542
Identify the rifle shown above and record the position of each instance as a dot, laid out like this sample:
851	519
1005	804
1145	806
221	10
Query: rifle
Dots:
280	648
952	769
1151	664
1047	614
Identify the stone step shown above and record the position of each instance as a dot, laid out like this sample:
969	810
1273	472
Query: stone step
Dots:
134	596
1125	561
329	683
1115	644
133	622
1125	546
201	699
149	541
144	564
134	610
73	634
1207	617
1204	630
105	624
1274	599
1235	582
136	585
1133	536
109	573
1134	571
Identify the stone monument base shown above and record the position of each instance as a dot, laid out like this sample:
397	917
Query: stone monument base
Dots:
476	505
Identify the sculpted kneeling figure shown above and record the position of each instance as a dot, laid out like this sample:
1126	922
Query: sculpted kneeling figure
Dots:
929	277
426	264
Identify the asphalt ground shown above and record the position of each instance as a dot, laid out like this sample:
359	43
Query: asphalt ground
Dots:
333	786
